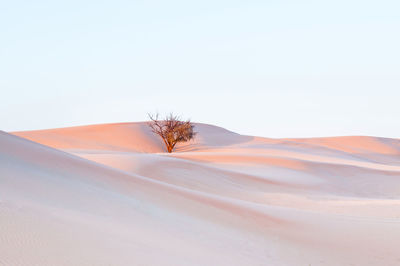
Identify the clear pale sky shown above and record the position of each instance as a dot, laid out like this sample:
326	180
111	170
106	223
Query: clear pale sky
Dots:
267	68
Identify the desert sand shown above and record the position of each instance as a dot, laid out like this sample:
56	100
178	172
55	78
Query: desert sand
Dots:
109	195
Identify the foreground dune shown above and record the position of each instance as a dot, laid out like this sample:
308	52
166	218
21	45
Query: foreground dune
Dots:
109	195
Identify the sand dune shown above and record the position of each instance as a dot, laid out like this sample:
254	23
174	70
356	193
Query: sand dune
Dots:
108	195
134	137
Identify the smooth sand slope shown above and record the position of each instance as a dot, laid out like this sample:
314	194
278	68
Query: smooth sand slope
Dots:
108	195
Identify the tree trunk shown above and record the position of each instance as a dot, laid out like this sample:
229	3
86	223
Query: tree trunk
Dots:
169	148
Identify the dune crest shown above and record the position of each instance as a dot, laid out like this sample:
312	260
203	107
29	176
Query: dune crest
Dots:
109	195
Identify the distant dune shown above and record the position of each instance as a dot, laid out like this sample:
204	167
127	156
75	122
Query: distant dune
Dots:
135	137
109	195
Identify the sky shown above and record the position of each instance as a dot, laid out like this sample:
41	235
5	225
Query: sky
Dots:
264	68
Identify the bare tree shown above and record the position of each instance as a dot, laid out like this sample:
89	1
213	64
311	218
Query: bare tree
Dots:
172	130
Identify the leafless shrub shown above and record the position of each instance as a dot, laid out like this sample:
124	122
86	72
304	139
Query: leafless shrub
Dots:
171	129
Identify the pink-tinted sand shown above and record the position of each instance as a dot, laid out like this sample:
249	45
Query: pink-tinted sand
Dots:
109	195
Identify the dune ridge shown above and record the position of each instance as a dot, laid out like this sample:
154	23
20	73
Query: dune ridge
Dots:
108	195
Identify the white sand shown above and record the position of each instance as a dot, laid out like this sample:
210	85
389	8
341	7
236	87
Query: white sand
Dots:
107	195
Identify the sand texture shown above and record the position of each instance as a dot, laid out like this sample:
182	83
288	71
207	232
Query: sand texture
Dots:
109	195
